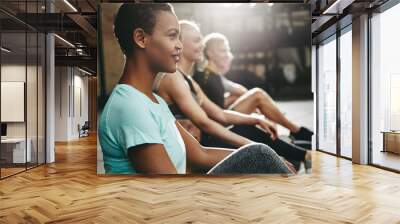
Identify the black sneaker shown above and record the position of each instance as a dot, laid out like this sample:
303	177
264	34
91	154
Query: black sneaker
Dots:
304	134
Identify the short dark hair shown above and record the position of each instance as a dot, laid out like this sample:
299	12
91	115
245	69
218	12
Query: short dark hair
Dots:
131	16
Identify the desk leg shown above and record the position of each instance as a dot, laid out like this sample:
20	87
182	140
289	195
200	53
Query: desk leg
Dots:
384	143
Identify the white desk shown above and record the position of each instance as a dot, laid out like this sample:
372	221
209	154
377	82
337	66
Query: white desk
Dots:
18	149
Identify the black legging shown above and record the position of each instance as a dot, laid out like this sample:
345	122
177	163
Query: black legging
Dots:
289	151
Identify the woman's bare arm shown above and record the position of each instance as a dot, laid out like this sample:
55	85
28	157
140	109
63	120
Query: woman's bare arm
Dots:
229	99
176	89
236	89
226	117
199	157
230	117
151	159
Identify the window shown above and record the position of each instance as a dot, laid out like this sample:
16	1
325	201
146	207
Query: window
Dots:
327	95
385	88
346	93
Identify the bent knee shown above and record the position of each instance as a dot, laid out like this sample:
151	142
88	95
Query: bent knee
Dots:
258	148
258	94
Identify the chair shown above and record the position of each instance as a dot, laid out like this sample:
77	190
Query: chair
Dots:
84	130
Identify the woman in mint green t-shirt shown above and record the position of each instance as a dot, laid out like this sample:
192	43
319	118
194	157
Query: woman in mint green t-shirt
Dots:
137	132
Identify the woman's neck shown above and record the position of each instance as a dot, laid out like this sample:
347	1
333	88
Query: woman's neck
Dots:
186	66
138	74
212	67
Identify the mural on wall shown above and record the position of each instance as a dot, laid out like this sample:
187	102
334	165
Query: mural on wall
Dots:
174	78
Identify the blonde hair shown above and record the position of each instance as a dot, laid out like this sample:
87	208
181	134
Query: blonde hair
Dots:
185	25
212	39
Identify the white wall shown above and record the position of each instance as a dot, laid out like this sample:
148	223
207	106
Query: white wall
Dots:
62	81
70	83
80	84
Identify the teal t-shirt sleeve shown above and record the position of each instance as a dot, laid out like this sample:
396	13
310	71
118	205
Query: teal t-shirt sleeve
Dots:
137	128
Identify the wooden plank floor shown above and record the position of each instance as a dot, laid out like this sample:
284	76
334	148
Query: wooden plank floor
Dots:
70	191
10	171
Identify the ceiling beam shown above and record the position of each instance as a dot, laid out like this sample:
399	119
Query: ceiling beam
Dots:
83	61
337	7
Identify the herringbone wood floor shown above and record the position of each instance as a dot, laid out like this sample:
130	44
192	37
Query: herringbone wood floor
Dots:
69	191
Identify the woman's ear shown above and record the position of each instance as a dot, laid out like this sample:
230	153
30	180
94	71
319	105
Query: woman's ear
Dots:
139	37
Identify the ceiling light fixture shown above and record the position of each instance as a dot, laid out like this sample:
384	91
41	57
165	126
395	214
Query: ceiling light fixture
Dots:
84	71
5	50
64	40
70	5
338	6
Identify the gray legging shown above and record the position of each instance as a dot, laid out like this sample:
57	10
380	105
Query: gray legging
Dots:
249	159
